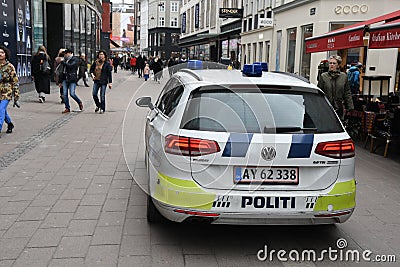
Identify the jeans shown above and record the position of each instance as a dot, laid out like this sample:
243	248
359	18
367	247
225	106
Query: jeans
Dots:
3	113
102	103
71	87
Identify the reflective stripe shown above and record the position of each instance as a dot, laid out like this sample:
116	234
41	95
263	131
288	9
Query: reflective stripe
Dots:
182	193
301	146
341	197
237	145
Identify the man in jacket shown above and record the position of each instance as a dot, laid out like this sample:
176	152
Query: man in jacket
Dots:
336	87
70	77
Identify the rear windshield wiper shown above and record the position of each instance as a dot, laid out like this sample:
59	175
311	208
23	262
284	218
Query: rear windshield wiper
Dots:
289	130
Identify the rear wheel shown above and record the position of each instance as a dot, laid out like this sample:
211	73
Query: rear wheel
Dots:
153	215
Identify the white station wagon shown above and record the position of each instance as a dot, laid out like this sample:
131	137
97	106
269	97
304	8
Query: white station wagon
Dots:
225	148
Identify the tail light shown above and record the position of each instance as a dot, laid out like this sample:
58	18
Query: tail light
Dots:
187	146
337	149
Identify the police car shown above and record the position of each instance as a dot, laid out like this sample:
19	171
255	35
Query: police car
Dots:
251	147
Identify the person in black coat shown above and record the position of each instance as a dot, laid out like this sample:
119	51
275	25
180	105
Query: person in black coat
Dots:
41	73
82	69
157	69
101	73
140	65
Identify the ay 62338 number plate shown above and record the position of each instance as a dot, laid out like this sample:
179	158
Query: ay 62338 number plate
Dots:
273	175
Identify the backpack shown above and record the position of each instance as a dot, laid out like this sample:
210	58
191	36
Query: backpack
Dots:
354	82
45	67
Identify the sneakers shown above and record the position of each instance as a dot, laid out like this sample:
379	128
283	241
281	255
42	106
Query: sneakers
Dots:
66	111
43	99
101	111
40	100
10	127
81	106
96	109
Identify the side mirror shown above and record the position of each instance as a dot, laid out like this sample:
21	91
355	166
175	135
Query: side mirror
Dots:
145	102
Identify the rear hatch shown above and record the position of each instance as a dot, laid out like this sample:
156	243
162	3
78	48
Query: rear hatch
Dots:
266	137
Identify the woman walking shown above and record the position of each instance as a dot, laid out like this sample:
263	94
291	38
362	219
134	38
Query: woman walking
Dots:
8	88
82	69
58	72
101	74
41	72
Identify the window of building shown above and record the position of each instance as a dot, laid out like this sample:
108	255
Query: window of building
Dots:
254	52
161	22
278	50
174	22
260	51
307	31
250	24
291	49
38	26
174	6
161	6
161	40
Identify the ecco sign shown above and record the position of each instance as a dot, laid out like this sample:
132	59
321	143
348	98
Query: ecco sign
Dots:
354	9
265	22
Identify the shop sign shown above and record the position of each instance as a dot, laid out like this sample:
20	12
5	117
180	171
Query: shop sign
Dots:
197	16
183	29
351	9
385	38
265	22
231	13
337	41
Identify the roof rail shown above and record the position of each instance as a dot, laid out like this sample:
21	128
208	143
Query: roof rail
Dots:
191	72
293	75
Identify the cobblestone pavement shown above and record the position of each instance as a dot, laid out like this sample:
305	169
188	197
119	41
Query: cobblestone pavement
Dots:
67	197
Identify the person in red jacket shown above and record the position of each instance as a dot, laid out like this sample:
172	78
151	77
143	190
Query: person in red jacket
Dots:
133	64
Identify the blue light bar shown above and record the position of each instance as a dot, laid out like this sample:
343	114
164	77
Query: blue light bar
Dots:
251	70
195	64
264	65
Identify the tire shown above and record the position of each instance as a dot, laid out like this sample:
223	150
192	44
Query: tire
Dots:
153	215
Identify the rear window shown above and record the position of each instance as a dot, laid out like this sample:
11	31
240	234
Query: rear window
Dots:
259	111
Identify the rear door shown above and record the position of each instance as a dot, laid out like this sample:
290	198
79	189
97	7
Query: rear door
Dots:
267	139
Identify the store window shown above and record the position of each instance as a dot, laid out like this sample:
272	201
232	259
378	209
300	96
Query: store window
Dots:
306	31
161	37
291	49
175	38
38	26
260	52
278	50
254	52
224	45
68	25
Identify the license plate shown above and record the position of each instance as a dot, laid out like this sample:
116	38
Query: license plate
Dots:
272	175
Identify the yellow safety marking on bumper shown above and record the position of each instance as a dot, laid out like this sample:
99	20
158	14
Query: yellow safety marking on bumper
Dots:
182	193
341	197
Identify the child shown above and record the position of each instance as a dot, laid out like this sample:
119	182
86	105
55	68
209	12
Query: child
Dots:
146	72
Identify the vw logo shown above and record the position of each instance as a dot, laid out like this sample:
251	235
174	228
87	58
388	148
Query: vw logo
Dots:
268	153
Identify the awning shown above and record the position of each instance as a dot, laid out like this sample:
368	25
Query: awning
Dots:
385	36
347	37
114	43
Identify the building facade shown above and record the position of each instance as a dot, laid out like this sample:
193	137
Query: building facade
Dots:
275	32
163	28
208	34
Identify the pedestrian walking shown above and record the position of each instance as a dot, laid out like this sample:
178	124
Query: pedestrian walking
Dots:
58	71
41	73
8	88
69	79
82	71
101	73
133	64
140	65
157	69
336	87
353	75
146	72
116	63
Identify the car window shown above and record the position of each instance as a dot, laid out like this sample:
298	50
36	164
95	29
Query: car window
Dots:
259	111
170	97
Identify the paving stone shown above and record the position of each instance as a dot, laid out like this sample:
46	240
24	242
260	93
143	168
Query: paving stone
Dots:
34	214
93	200
9	191
102	179
110	235
130	261
34	185
74	193
34	257
73	247
122	175
22	229
47	237
106	255
44	201
73	262
111	219
200	261
136	212
17	181
61	180
115	205
57	220
167	255
98	189
54	189
87	213
81	228
106	171
123	184
136	227
6	221
15	207
6	263
65	205
80	183
11	247
135	245
25	195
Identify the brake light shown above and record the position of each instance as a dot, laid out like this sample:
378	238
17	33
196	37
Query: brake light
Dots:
187	146
336	149
197	213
